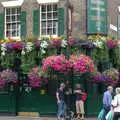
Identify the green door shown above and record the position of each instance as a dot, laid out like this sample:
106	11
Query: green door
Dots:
7	101
36	101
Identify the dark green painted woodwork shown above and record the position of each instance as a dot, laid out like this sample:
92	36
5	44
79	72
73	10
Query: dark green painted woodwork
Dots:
7	102
1	26
61	25
23	24
94	100
35	102
97	17
36	22
13	102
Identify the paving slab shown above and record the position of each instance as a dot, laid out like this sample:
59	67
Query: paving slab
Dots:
34	118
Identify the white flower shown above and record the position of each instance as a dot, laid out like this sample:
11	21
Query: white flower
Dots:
44	44
43	51
23	52
103	38
29	46
64	43
3	53
3	47
98	44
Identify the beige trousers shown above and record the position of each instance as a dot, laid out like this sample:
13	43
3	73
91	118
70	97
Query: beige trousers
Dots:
80	107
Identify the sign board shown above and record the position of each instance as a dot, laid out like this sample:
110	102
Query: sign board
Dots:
97	16
112	27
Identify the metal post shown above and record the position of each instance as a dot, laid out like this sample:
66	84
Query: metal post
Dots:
118	26
67	27
118	23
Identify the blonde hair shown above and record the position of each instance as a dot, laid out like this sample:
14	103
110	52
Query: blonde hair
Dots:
118	90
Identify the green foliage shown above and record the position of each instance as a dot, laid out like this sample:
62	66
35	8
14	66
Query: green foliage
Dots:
99	54
31	38
116	57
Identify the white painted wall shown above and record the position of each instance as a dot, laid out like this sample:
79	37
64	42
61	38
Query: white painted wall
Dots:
47	1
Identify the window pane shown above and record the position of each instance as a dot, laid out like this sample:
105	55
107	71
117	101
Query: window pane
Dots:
49	31
49	15
55	8
18	17
7	11
18	10
7	33
54	30
49	24
7	18
43	16
13	10
13	18
43	8
44	24
13	32
14	26
49	8
54	15
43	31
55	24
8	26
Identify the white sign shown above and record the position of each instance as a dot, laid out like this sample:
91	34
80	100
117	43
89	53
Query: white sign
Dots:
112	27
119	9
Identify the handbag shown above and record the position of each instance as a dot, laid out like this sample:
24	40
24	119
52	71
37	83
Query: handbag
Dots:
101	114
84	96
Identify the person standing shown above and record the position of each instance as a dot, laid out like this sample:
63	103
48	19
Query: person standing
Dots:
116	105
79	102
60	101
107	100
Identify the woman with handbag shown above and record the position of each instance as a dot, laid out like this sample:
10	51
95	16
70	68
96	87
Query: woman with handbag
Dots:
116	105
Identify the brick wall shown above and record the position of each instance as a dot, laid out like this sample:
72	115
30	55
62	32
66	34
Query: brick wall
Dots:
79	17
112	14
29	6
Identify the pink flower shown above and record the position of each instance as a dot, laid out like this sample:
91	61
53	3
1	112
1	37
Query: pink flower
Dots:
111	43
56	43
82	63
71	42
57	63
36	78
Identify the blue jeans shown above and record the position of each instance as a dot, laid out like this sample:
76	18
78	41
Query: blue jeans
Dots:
61	109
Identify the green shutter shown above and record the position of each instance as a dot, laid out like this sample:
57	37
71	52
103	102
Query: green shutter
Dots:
23	24
36	22
1	26
61	24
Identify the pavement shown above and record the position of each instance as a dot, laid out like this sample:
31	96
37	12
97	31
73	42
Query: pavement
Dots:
33	118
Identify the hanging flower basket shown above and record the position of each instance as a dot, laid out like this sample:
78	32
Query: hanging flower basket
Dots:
108	77
37	78
8	77
57	63
82	64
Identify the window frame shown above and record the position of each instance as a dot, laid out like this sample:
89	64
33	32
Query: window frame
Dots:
57	19
16	22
